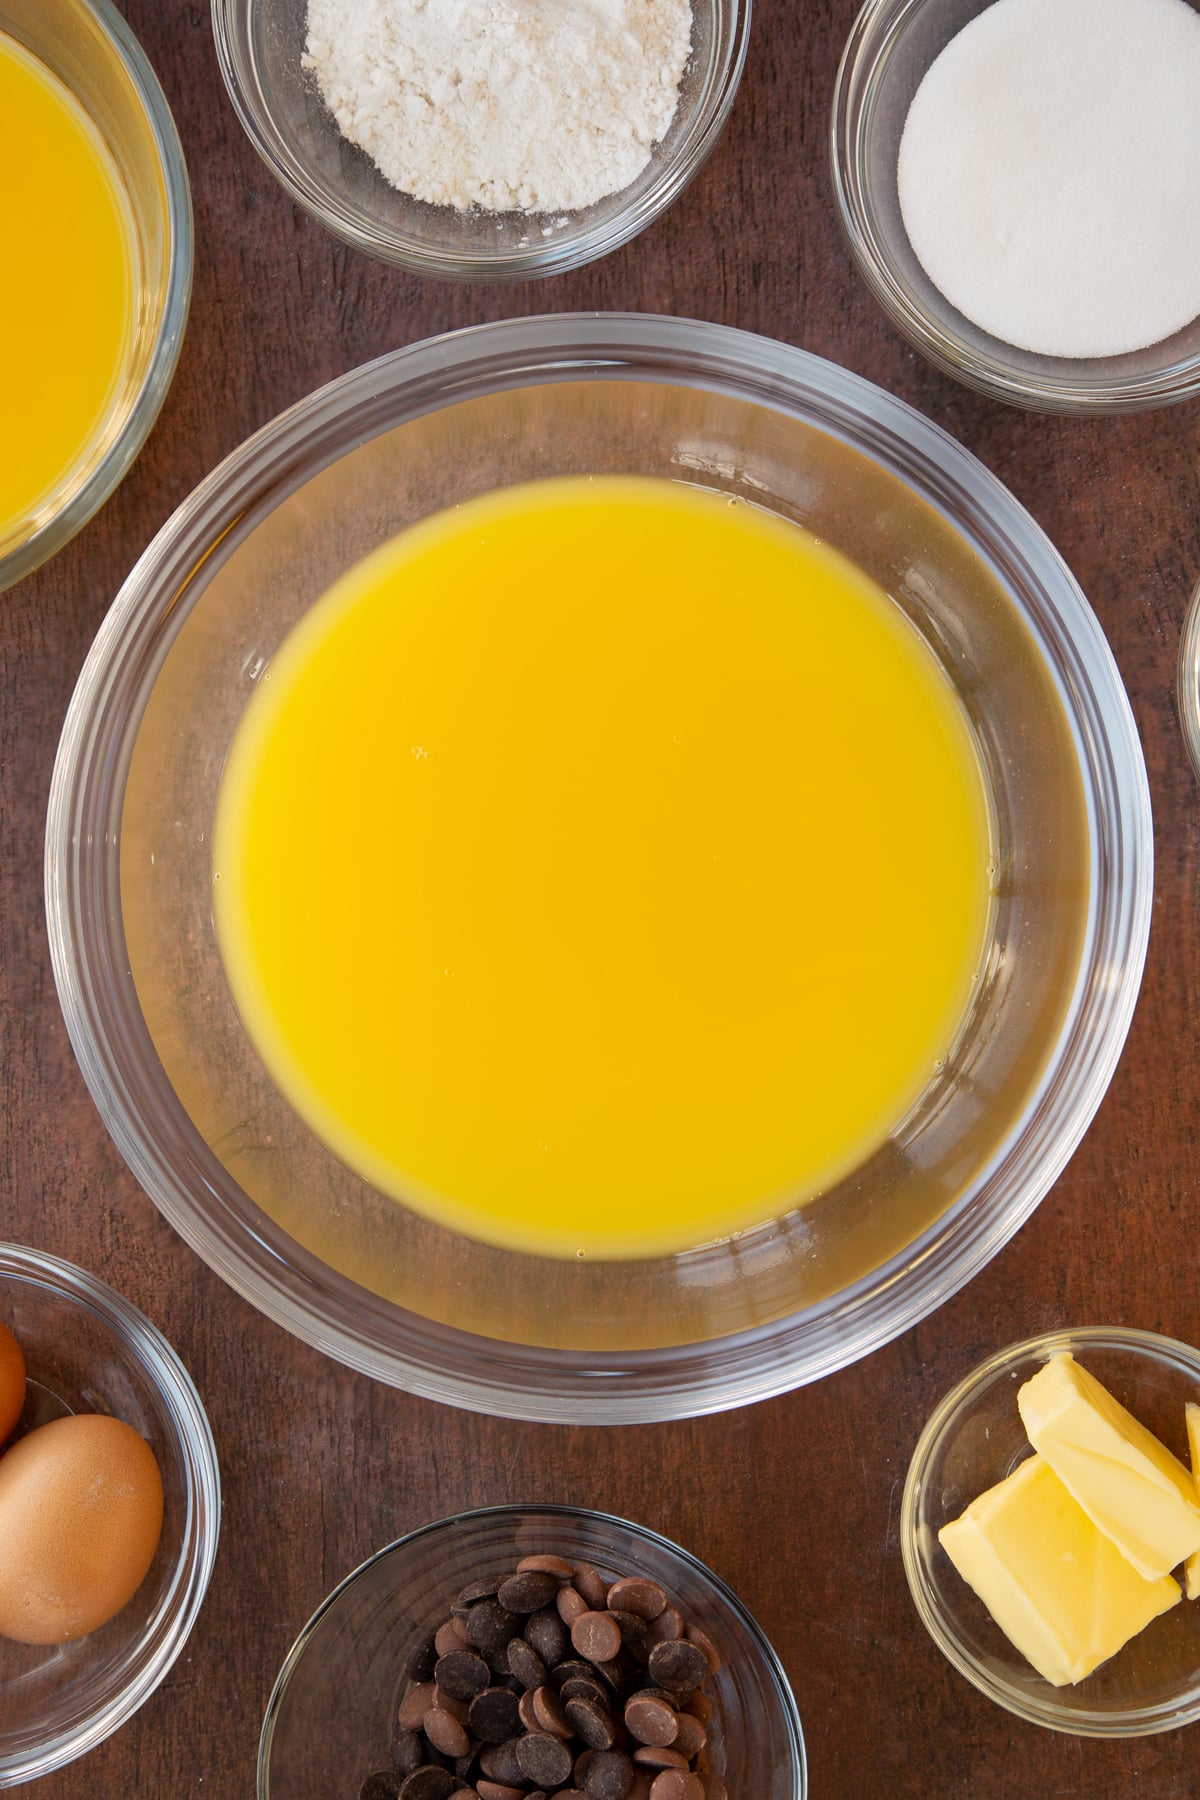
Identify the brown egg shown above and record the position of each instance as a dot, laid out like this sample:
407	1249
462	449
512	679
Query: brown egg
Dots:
81	1507
12	1381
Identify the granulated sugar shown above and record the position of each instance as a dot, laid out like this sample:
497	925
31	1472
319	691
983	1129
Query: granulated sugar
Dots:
1049	173
510	105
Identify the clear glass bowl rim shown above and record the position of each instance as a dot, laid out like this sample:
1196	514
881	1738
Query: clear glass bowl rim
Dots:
1188	688
858	72
177	1392
516	1512
441	1362
1141	1722
567	249
114	466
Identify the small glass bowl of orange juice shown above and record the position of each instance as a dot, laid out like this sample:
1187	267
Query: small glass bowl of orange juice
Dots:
702	888
96	215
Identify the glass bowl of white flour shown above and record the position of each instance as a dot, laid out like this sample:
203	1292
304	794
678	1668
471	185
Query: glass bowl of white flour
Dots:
1017	180
483	139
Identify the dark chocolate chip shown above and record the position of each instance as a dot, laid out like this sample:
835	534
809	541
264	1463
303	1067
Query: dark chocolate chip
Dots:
678	1665
620	1677
499	1763
495	1715
591	1723
418	1664
691	1737
490	1625
429	1783
569	1670
546	1633
525	1663
700	1706
544	1759
383	1785
609	1777
527	1593
669	1624
462	1674
703	1642
584	1687
484	1589
498	1790
408	1750
633	1633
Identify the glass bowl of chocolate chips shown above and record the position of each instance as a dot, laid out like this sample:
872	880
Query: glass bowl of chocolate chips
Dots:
524	1652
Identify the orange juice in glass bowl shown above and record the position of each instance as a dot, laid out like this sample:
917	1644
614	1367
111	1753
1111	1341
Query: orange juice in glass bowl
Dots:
95	223
650	788
201	1102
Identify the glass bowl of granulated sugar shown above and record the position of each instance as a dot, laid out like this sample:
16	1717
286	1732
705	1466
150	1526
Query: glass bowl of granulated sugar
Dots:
475	139
1018	185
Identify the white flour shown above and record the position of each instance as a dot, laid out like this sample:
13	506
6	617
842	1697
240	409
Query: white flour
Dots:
511	105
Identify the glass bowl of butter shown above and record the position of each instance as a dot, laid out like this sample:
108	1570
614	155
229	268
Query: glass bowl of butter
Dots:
1051	1531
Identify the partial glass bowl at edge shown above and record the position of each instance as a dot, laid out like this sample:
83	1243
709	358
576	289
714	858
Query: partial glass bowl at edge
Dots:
975	1439
330	1718
890	48
129	877
87	1349
1188	686
92	51
260	45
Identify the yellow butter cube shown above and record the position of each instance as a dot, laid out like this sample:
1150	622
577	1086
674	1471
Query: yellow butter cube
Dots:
1062	1594
1128	1483
1192	1566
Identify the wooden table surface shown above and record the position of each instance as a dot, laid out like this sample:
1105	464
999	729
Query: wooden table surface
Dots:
793	1502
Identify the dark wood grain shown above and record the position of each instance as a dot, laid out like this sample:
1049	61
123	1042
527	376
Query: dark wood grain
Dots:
795	1502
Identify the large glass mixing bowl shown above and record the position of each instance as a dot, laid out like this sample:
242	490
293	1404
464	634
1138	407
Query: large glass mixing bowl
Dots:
129	842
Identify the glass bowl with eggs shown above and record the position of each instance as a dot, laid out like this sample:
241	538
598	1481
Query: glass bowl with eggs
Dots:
109	1511
332	1717
598	868
481	142
1015	183
106	192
